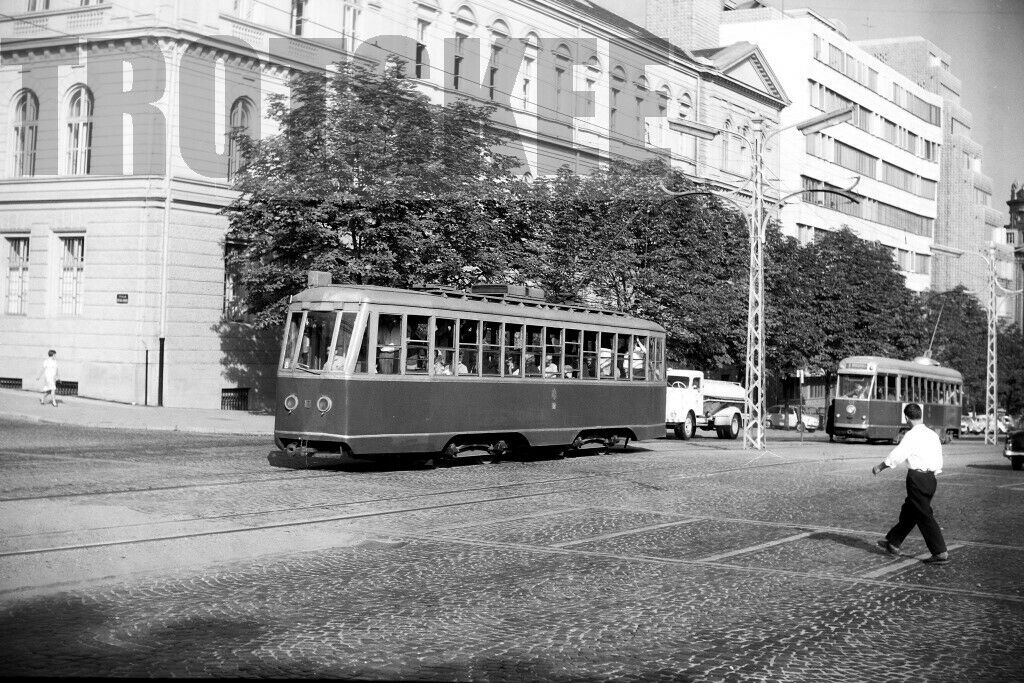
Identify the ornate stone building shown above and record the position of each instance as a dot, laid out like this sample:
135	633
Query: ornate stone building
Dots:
116	159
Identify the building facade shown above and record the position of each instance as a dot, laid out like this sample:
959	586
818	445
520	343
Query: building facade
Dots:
889	153
966	220
117	156
1014	237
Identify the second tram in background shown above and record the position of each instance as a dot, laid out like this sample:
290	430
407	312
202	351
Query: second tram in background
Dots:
433	374
871	392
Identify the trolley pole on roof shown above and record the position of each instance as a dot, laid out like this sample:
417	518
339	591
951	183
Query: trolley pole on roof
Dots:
757	218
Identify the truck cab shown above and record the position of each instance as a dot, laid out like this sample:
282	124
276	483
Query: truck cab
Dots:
693	402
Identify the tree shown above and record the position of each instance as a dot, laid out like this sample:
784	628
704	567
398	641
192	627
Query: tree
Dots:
616	239
843	296
370	181
959	326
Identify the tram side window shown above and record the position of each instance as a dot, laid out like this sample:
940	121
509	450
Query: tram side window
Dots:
572	353
417	345
588	370
469	349
389	343
607	355
534	350
291	338
885	388
552	352
657	359
513	350
316	339
364	352
444	346
638	360
338	357
490	359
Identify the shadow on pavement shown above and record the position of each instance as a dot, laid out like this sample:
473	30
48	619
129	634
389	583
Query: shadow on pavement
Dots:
847	540
993	466
393	462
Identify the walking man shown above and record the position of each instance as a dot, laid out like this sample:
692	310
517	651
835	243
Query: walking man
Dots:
48	373
922	450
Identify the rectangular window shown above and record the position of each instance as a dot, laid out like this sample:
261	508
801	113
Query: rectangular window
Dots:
513	350
456	72
622	349
444	346
528	63
421	68
492	71
817	47
350	15
417	344
638	358
534	350
298	7
589	367
490	357
469	348
572	353
17	275
72	275
835	57
315	348
607	356
389	345
553	352
38	5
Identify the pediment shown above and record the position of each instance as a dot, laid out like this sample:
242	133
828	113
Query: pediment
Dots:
752	70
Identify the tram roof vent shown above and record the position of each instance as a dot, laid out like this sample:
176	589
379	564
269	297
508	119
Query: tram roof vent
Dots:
318	278
509	291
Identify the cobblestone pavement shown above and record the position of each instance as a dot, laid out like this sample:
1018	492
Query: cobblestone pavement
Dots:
673	561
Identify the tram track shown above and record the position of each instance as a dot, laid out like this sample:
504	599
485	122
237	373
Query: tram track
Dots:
552	486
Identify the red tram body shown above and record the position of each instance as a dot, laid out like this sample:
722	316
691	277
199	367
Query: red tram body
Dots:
369	371
871	392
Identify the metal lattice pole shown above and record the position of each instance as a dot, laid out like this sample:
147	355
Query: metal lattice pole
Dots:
753	436
991	364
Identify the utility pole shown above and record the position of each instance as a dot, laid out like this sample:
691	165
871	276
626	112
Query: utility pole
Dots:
753	435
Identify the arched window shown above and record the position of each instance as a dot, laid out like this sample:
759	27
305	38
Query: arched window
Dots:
79	141
726	138
26	128
685	105
239	120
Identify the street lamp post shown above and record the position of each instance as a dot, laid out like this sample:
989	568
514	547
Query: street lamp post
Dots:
754	431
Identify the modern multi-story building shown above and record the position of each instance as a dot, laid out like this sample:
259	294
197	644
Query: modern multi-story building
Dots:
889	152
966	220
116	160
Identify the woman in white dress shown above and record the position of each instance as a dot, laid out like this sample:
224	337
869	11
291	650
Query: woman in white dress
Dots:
49	377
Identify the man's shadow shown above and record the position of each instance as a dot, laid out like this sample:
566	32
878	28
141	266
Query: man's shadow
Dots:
847	540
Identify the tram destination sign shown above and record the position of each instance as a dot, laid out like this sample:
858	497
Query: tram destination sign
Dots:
122	298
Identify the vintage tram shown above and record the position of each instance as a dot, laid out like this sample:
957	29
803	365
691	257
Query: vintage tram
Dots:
436	374
871	392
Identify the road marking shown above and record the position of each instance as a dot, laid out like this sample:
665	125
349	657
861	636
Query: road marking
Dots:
628	532
755	548
897	566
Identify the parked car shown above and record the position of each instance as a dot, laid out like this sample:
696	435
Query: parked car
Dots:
1014	448
781	417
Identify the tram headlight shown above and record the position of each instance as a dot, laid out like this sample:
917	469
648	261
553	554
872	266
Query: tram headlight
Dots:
851	409
291	402
323	404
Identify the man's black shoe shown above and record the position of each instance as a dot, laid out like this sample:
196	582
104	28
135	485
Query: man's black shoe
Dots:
889	547
941	558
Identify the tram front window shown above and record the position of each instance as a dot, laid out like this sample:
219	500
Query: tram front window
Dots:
291	338
315	346
855	386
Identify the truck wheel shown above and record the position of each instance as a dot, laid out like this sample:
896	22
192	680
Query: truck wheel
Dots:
1017	462
689	427
732	431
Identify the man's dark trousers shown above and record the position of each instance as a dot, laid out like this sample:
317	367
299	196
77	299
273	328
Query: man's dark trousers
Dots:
917	511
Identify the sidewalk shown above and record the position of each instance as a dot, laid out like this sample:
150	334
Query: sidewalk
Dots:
87	412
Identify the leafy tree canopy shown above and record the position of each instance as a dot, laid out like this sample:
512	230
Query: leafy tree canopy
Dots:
370	181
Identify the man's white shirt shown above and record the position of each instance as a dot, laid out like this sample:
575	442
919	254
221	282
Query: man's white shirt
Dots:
920	448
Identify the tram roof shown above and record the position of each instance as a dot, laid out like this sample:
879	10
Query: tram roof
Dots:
456	300
907	367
